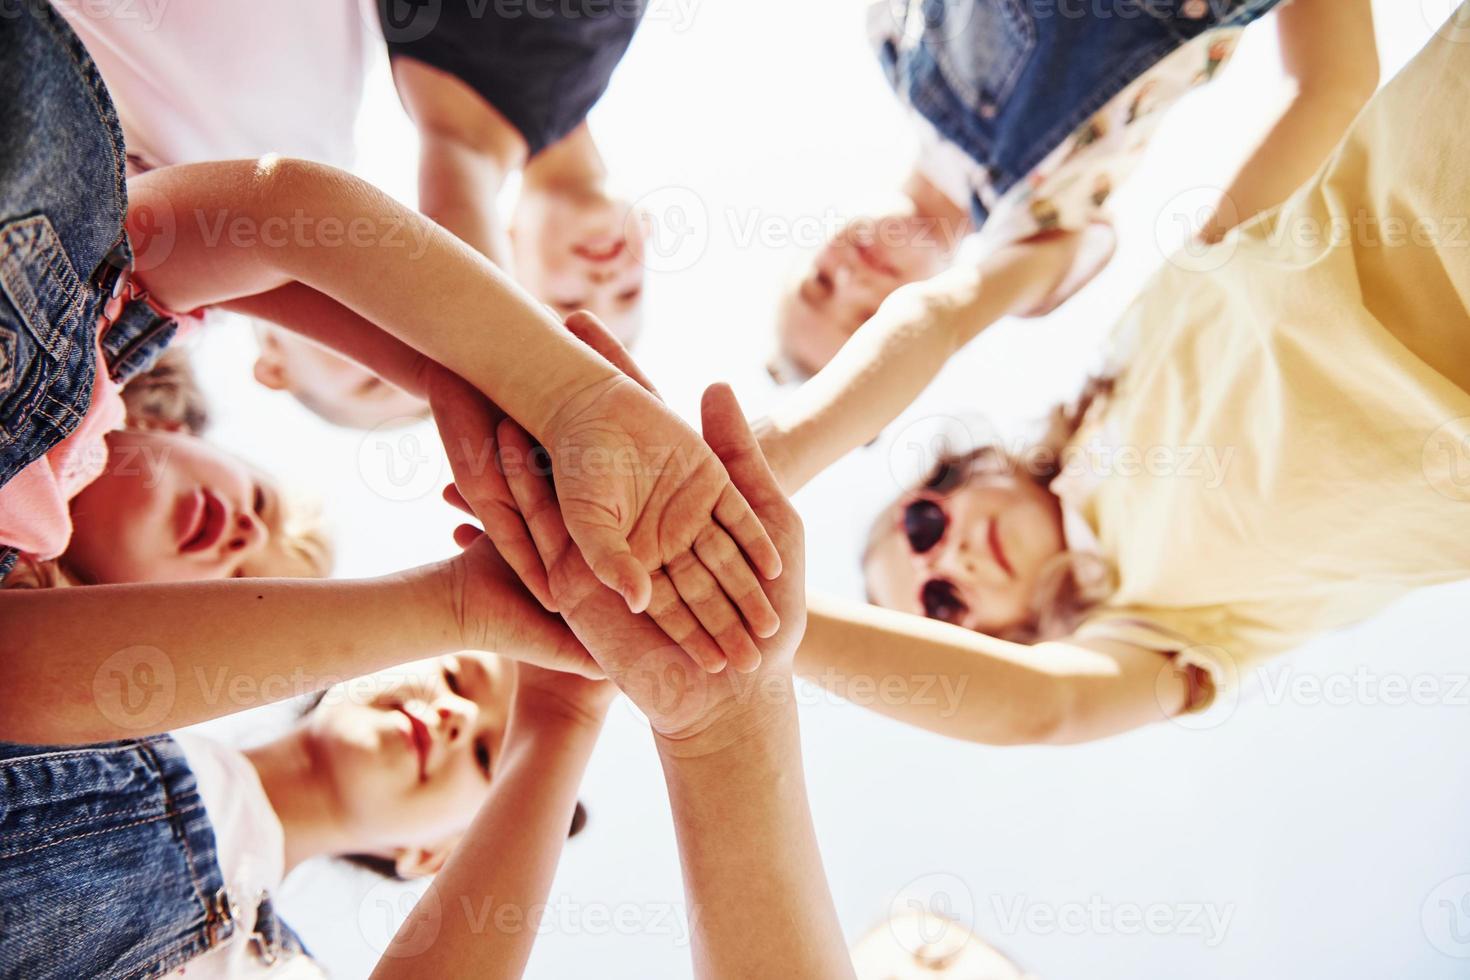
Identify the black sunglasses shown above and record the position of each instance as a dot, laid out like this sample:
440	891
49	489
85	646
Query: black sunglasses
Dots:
924	524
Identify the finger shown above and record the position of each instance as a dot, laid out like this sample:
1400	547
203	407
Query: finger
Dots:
455	499
721	556
729	436
667	610
533	494
591	331
466	535
458	408
605	549
704	597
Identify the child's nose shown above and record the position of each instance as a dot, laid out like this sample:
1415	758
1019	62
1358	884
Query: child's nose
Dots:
248	535
456	718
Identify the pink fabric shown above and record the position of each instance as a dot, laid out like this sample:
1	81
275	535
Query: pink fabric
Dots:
35	506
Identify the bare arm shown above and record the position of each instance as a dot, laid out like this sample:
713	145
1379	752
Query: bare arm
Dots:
482	908
896	354
104	662
467	150
970	686
309	313
248	227
759	902
1331	60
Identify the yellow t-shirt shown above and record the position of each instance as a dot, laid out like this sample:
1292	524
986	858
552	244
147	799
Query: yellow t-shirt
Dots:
1288	447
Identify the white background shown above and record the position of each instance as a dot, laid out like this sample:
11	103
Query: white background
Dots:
1329	833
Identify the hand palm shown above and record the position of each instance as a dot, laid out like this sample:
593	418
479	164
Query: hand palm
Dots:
635	651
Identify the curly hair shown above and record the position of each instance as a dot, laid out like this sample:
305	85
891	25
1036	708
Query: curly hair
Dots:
1072	583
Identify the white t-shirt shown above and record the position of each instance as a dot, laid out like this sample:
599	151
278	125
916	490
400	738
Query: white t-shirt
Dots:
197	80
252	858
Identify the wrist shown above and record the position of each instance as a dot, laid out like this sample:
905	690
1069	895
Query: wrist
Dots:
445	588
745	728
421	595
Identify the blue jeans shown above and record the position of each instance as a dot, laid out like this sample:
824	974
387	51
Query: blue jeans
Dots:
1008	80
108	865
63	198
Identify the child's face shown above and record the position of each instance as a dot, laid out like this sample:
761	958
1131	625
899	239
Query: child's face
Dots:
972	557
409	752
849	279
333	387
583	252
170	507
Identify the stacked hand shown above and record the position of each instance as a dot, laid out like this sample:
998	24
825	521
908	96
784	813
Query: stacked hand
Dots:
646	502
681	701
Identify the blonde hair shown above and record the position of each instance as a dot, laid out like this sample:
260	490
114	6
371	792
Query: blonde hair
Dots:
1072	583
304	538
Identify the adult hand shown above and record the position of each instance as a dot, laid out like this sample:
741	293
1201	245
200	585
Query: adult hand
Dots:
681	701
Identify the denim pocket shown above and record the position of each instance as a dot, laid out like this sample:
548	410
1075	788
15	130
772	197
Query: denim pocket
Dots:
47	344
980	48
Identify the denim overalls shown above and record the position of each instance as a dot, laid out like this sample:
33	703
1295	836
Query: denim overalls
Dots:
1008	80
64	258
108	865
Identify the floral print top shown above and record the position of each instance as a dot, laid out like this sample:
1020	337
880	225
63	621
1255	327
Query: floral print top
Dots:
1070	188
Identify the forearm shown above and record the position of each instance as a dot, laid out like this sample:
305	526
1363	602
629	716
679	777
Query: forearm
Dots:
305	311
974	687
1298	142
309	223
125	661
484	907
1330	55
759	903
894	356
459	189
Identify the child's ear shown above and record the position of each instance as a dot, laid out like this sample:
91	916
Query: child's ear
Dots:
422	862
270	372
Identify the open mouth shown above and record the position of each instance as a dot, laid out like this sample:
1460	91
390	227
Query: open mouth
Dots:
419	739
600	250
204	522
993	537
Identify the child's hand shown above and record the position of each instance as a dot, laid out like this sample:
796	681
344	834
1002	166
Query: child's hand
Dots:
680	700
495	613
467	421
640	493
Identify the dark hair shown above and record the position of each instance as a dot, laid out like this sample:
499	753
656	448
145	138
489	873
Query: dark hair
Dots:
387	868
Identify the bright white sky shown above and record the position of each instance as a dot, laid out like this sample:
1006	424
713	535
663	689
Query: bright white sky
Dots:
1318	832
